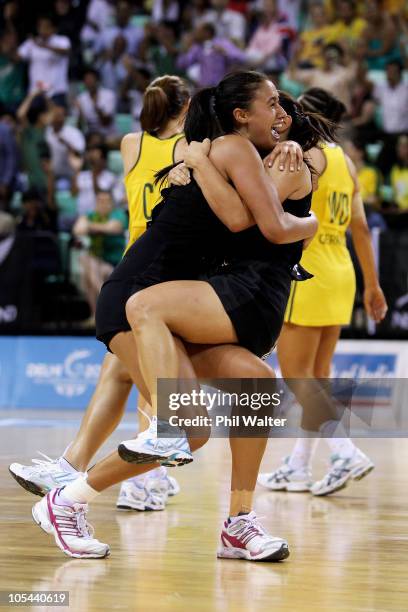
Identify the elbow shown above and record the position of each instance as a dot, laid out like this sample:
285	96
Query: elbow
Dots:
275	234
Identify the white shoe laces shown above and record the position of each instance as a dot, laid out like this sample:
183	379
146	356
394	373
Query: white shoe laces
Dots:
46	465
74	523
250	528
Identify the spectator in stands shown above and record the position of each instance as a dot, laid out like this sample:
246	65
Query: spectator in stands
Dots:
9	161
105	227
336	75
399	174
48	58
132	92
362	111
159	49
380	37
12	73
214	56
64	141
265	46
194	14
112	64
348	27
100	14
228	24
96	104
392	97
312	41
369	181
165	11
123	27
95	177
36	214
33	115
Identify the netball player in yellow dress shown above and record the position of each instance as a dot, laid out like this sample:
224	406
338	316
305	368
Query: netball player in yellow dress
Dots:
318	308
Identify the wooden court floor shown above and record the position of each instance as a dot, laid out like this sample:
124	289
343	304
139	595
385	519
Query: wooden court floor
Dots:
349	552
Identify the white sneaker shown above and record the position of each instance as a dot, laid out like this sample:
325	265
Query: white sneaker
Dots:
68	524
341	471
174	487
143	494
286	478
44	475
243	537
147	447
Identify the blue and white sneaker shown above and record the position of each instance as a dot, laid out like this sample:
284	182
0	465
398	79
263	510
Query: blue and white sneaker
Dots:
44	475
342	470
286	478
147	447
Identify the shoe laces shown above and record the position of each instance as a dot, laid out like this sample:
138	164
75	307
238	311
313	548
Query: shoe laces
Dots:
249	528
47	464
73	522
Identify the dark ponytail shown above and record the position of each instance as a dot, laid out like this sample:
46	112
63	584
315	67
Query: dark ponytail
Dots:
210	113
163	100
309	129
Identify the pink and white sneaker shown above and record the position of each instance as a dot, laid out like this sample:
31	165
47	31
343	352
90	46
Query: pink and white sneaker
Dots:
68	524
243	537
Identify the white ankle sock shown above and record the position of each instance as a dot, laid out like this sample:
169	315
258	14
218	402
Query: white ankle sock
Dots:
343	447
77	492
66	466
302	453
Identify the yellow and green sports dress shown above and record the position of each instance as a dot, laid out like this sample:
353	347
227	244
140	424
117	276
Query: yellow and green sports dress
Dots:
142	193
327	298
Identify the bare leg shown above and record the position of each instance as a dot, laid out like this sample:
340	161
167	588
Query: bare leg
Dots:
189	309
247	453
103	414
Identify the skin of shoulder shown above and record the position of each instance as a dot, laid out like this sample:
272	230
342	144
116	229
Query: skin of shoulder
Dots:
230	148
294	185
129	149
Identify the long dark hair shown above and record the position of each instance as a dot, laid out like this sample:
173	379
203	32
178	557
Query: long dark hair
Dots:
210	113
308	128
164	99
317	100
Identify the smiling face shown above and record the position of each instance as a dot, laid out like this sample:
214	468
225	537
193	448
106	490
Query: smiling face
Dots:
260	120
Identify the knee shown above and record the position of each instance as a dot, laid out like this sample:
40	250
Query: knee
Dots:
140	309
196	443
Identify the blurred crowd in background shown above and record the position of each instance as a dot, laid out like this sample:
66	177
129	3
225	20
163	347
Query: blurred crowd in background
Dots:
72	77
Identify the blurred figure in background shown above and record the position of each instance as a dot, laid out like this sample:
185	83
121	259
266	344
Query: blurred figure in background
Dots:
99	16
228	24
123	27
312	41
12	74
399	174
94	178
348	26
213	55
47	56
265	46
362	123
96	105
63	141
9	161
336	74
105	227
380	37
36	214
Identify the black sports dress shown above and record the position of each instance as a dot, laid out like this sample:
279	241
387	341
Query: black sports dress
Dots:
184	232
254	284
184	236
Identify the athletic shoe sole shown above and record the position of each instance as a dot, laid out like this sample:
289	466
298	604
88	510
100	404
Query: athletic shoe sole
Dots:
137	457
29	486
49	529
244	555
300	487
145	509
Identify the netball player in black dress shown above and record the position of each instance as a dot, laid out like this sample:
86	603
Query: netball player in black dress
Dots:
273	222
